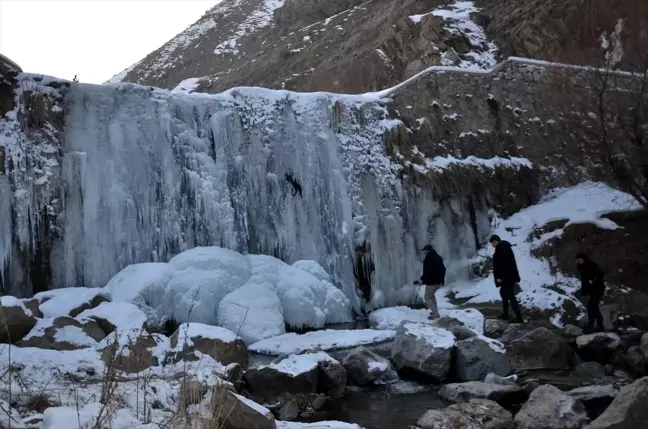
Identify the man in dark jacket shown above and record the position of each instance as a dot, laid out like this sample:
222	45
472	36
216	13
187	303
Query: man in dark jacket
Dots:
506	275
433	278
592	285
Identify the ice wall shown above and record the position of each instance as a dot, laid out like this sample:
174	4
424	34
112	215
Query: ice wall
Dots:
142	174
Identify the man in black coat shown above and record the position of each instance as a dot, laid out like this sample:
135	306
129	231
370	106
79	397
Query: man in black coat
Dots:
506	275
592	285
433	278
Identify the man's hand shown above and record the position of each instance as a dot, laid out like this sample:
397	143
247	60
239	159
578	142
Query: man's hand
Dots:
499	281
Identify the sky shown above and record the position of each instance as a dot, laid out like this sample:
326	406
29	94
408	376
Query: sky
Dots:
94	39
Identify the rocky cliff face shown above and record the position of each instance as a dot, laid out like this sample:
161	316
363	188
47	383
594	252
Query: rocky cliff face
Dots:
346	46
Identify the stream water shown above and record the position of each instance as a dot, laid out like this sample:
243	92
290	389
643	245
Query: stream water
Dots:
394	407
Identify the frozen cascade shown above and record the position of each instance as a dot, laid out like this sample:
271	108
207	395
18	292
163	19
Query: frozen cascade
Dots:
146	174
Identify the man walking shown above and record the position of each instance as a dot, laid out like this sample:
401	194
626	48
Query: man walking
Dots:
433	278
592	285
506	275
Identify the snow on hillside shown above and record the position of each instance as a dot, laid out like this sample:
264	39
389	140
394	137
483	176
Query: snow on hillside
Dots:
584	203
458	21
261	17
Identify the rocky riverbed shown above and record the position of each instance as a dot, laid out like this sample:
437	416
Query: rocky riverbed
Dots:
99	362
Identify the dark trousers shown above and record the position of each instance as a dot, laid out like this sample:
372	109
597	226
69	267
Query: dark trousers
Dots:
507	292
594	311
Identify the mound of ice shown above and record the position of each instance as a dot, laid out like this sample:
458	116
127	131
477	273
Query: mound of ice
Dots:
254	296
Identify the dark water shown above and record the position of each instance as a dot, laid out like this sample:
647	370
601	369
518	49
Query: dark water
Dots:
381	407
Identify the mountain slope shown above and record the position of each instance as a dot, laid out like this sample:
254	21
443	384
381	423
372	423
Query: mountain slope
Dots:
310	45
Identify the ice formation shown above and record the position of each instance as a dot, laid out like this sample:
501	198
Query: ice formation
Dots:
142	174
254	296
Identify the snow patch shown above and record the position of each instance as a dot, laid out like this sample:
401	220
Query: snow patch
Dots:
584	203
299	364
436	337
62	301
187	85
327	340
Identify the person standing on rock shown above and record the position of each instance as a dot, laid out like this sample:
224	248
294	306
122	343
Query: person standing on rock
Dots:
433	278
592	285
507	277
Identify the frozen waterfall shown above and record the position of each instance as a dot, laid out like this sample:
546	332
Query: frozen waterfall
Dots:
141	174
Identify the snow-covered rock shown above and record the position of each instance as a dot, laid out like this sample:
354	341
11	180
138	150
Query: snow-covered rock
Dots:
366	367
115	316
254	295
133	351
240	412
70	301
424	348
327	340
392	317
191	340
628	410
464	392
18	321
294	374
63	333
477	413
550	408
475	358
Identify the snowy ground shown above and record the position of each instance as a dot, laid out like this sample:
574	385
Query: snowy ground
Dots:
585	203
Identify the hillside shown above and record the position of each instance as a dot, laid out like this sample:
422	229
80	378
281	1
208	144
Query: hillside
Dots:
355	46
307	45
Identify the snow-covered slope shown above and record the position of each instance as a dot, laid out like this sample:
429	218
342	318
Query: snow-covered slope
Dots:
338	45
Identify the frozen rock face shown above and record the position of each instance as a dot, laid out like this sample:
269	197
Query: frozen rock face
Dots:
149	173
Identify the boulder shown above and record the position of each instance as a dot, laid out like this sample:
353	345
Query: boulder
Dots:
595	398
457	327
498	379
332	378
289	411
635	361
572	331
629	410
32	305
191	340
516	331
477	414
644	346
550	408
599	347
134	352
63	333
16	320
540	348
232	411
475	359
593	370
424	348
464	392
494	328
295	374
366	367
